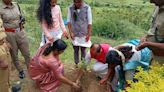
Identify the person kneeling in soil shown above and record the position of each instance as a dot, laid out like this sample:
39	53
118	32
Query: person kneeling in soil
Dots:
46	68
123	63
100	68
98	52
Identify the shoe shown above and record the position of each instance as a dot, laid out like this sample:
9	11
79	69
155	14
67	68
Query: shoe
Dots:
16	87
21	75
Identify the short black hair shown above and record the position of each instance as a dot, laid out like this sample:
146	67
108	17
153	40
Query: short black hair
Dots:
97	49
113	57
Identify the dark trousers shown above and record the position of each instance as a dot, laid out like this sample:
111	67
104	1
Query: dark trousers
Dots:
76	53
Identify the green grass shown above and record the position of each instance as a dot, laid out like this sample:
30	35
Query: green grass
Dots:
67	56
128	19
124	21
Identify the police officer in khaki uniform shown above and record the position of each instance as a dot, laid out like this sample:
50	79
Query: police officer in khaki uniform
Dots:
155	37
11	16
5	61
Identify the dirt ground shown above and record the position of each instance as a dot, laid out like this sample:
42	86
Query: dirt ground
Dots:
89	82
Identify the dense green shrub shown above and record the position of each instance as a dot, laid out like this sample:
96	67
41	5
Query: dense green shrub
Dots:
110	19
120	23
151	81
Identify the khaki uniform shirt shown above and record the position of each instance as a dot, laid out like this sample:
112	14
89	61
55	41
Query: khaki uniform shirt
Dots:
4	78
158	22
5	57
157	25
10	15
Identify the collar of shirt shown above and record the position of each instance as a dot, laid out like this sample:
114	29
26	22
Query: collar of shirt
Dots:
7	6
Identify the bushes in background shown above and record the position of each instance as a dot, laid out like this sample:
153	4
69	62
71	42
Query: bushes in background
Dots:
151	81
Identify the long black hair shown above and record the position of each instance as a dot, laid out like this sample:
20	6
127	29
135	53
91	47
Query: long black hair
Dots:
127	51
113	58
58	45
44	12
98	49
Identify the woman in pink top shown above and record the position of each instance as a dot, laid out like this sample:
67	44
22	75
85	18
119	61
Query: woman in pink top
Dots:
46	68
50	17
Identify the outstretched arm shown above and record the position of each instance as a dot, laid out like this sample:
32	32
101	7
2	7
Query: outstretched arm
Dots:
79	76
69	19
109	76
62	25
89	24
55	69
65	80
151	45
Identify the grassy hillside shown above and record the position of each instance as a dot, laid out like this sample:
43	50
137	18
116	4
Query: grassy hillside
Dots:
114	21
